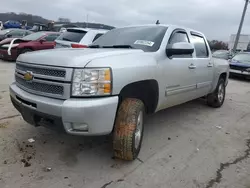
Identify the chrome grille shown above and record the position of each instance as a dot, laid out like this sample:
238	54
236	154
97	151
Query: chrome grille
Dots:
47	81
42	71
40	87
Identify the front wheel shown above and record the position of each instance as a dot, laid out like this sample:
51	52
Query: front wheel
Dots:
128	130
217	98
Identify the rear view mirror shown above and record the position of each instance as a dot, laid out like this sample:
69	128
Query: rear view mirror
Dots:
180	48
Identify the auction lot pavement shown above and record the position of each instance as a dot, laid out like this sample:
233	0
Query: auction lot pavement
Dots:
188	146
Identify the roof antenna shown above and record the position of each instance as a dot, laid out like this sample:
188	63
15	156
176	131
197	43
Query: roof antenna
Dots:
157	22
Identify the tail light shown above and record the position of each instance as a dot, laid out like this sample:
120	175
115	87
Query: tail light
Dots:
78	46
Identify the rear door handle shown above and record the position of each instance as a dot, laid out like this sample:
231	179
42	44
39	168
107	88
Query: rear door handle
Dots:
210	65
192	66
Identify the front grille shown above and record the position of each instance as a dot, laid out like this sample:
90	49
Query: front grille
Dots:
42	71
238	67
41	87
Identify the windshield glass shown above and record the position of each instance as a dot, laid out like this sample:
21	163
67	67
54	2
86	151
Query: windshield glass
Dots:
34	36
72	35
242	58
146	38
3	32
221	54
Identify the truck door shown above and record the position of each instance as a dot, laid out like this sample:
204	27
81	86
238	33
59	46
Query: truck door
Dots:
204	64
179	73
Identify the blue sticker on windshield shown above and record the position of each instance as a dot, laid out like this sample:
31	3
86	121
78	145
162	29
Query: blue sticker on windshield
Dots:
144	42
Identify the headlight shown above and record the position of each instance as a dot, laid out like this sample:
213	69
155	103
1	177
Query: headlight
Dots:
91	82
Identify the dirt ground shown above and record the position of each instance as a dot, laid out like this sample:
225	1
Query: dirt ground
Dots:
191	146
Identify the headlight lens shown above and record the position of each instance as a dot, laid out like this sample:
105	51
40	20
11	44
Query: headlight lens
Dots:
91	82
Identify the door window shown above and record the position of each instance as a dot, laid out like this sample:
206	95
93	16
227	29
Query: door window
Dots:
51	37
200	46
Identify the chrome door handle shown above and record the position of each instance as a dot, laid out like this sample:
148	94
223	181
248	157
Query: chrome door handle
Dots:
192	66
210	65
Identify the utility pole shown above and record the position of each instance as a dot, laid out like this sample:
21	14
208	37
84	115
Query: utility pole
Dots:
240	26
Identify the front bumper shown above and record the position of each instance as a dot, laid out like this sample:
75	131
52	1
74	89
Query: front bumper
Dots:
4	54
239	73
77	116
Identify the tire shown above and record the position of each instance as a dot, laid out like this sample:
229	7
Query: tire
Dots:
128	130
217	98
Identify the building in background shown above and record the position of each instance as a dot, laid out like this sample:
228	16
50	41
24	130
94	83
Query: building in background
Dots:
243	42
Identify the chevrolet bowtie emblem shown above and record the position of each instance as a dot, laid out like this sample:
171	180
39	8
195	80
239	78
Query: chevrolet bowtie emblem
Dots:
28	76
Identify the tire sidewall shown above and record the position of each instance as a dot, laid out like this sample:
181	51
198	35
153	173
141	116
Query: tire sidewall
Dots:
221	82
136	151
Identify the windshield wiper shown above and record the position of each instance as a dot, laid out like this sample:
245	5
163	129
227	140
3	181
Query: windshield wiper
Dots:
95	46
120	46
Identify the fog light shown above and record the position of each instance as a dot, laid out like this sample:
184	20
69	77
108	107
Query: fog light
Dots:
80	127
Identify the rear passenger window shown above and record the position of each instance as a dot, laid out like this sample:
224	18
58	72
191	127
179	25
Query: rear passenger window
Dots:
97	36
178	37
200	46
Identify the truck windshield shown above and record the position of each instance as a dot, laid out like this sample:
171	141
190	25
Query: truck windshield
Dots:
146	38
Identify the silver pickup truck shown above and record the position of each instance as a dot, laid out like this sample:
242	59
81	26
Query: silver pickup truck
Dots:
110	86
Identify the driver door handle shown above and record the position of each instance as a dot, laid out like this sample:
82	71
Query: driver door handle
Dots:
192	66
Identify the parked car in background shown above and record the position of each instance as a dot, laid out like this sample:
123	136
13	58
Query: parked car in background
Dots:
240	65
14	33
12	48
62	27
223	54
12	24
1	25
78	37
110	86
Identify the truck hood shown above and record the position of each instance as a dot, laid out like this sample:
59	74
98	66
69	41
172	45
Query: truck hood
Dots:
72	57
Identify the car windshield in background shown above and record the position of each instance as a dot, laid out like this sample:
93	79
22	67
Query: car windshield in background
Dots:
146	38
221	54
34	36
243	58
72	35
3	32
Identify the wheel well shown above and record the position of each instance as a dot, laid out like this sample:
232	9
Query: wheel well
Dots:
224	76
146	90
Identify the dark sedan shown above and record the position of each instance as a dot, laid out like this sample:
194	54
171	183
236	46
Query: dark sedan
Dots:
240	65
14	33
10	49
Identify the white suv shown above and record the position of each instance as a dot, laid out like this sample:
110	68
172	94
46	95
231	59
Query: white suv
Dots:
78	37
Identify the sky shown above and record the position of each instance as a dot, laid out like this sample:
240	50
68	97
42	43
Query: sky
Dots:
217	19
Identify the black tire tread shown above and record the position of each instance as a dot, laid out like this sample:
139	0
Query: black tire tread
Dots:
212	99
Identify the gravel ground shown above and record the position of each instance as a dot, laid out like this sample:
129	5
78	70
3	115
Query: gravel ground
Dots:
189	146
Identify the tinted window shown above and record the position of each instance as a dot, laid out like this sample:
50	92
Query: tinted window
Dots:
51	37
178	37
200	46
97	36
34	36
146	38
72	35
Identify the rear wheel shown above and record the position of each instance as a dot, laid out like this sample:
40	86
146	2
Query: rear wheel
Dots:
128	131
217	98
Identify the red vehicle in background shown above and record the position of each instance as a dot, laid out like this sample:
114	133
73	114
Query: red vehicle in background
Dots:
10	49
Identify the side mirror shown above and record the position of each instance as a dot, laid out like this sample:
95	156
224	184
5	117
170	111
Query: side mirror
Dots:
42	41
179	48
